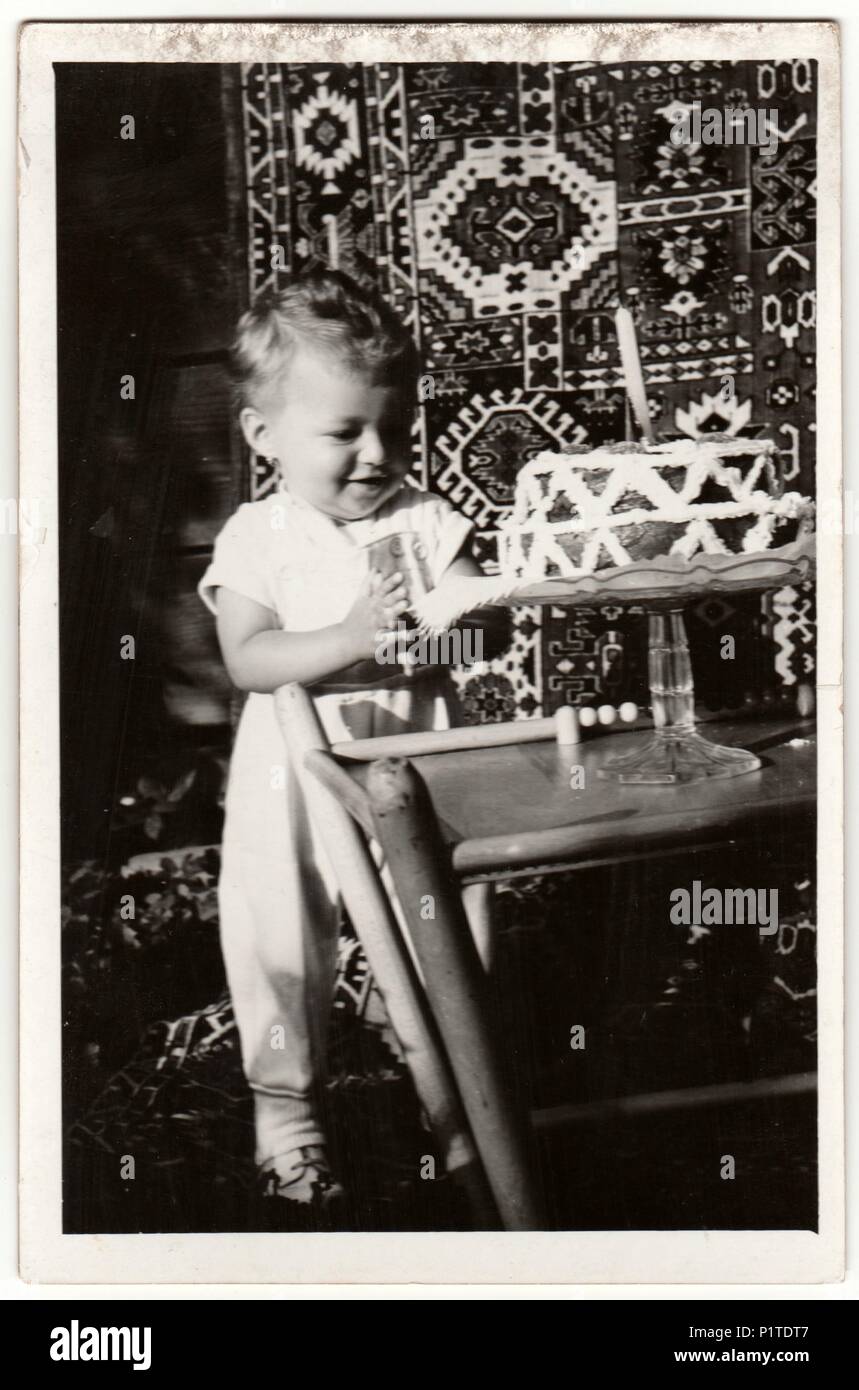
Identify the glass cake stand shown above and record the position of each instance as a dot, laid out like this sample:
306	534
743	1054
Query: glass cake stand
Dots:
677	751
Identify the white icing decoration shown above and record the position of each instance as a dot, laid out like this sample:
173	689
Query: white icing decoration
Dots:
594	518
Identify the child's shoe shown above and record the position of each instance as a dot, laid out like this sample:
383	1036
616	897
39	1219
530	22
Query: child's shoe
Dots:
302	1175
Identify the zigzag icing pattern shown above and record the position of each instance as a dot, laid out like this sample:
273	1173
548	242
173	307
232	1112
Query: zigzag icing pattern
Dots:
530	541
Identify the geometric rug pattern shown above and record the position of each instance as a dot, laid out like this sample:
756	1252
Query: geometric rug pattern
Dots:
506	210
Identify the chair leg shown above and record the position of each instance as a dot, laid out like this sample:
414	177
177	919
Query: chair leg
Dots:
477	899
455	982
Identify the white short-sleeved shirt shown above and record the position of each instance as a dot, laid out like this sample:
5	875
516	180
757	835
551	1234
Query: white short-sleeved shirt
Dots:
306	567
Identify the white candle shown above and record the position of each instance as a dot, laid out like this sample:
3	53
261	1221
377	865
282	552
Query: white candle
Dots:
633	377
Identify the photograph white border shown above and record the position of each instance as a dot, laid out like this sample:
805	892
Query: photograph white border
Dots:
727	1257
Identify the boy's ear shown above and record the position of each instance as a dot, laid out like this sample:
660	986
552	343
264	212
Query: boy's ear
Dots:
255	430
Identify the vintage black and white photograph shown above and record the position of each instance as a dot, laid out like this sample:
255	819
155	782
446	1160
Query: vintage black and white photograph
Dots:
442	721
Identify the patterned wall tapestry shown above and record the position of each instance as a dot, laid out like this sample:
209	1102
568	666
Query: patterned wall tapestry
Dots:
506	210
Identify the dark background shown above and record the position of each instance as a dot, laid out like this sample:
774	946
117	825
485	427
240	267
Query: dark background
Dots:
150	282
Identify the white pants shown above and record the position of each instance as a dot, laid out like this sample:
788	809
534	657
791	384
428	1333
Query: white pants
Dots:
278	899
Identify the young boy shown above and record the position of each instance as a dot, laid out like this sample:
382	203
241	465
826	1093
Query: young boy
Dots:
326	380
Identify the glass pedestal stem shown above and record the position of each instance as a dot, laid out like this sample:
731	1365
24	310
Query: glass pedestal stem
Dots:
676	752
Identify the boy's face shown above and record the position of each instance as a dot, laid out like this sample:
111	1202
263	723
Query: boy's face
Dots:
342	440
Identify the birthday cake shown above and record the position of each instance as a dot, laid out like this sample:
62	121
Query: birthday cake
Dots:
582	510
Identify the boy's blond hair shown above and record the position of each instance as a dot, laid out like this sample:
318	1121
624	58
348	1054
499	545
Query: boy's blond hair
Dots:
328	313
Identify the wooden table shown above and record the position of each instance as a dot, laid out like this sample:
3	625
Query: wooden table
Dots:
449	819
510	810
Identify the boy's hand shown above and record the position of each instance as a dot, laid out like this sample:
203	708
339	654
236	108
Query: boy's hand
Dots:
376	609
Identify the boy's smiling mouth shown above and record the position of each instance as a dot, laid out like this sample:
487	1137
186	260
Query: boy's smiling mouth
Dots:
371	480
